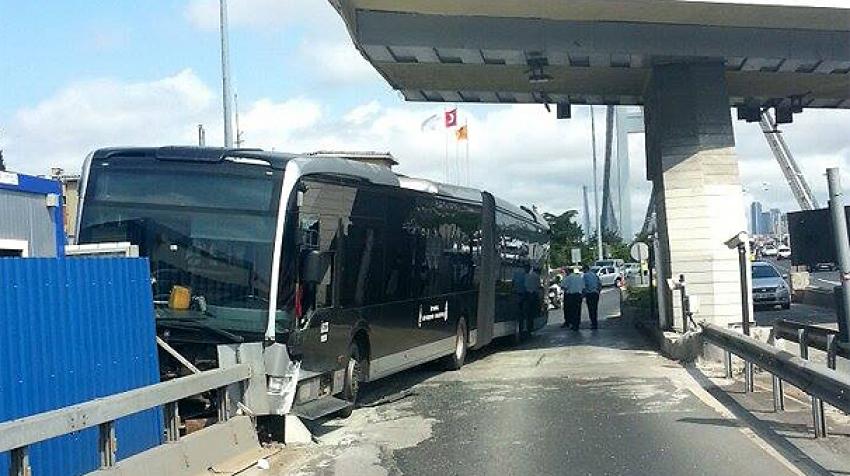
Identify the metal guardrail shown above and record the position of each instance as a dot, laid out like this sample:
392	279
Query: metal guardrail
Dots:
821	338
821	384
17	435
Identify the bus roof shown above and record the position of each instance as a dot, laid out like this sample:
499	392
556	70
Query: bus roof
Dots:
311	164
277	160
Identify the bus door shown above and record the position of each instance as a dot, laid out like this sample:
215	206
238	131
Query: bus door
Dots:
489	269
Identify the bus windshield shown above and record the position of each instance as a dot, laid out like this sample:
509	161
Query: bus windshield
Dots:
209	227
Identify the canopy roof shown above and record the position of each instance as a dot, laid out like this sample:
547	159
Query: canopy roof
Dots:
600	51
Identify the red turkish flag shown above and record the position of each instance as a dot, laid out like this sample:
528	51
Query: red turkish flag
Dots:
451	118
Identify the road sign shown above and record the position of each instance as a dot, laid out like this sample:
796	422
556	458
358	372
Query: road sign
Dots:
640	251
575	254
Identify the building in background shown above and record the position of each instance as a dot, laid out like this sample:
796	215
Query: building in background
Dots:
70	199
755	218
31	217
764	223
775	222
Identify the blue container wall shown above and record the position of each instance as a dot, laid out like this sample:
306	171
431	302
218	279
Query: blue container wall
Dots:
72	330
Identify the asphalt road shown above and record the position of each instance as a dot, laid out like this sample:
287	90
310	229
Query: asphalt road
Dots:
562	403
825	279
800	312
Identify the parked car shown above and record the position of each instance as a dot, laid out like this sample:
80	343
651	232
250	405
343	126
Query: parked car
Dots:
829	267
631	269
770	287
783	252
604	263
608	275
768	250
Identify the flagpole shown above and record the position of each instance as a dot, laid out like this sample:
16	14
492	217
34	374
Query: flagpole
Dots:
468	163
457	161
446	157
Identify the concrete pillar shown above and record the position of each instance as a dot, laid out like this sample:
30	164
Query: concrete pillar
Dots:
690	150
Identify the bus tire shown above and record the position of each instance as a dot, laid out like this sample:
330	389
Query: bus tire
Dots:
456	359
353	378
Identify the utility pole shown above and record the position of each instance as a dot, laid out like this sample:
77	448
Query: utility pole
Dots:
597	217
236	111
225	75
842	245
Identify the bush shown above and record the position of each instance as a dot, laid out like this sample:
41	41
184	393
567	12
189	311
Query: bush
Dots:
639	297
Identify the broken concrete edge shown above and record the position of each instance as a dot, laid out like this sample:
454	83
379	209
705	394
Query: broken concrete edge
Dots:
295	432
230	446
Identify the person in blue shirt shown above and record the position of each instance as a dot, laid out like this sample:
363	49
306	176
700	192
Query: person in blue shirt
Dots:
592	288
573	286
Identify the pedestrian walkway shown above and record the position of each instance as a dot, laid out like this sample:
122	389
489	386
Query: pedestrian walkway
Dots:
790	432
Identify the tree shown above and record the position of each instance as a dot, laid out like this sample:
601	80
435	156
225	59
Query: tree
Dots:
565	234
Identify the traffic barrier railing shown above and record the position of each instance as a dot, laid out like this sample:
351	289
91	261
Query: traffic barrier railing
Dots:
16	436
823	385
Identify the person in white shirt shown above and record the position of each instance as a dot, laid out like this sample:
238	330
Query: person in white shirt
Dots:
573	285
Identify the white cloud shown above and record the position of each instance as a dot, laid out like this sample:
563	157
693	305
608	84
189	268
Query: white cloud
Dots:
360	114
267	122
62	129
83	116
336	62
519	152
204	14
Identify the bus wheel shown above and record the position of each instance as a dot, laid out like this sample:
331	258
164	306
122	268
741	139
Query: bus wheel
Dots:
353	378
456	359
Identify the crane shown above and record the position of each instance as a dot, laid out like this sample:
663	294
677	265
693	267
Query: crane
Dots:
796	180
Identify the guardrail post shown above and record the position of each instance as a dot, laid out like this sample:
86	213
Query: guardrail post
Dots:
685	307
107	444
749	385
20	462
778	395
221	401
818	418
727	363
831	351
172	422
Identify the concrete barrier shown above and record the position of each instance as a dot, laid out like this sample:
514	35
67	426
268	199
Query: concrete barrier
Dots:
226	448
824	298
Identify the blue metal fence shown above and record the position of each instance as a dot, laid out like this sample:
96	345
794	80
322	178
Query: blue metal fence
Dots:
71	331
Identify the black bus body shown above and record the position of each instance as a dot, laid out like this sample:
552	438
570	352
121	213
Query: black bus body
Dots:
356	272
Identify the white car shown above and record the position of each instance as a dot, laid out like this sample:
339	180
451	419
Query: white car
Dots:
631	269
769	250
608	275
783	252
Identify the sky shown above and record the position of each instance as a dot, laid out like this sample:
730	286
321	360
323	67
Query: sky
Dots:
80	75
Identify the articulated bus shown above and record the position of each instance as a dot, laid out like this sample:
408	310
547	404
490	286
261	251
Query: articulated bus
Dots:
346	271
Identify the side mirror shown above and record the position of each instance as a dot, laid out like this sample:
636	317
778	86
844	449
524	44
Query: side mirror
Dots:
312	269
785	276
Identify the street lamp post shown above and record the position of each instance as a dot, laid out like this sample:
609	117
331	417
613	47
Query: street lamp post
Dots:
225	75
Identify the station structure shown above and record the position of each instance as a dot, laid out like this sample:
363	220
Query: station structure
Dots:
686	62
